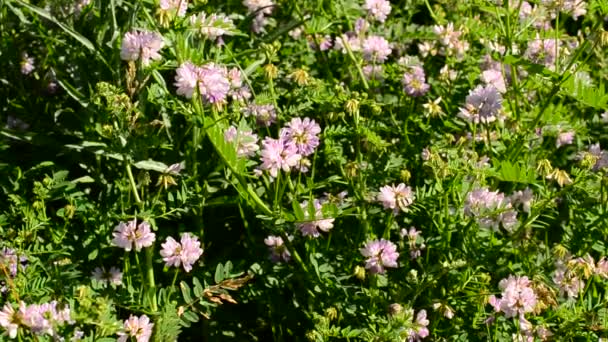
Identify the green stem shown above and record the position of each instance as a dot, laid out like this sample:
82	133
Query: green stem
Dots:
150	274
133	184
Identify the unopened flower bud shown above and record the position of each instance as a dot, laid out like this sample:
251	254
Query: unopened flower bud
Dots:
352	106
271	71
359	273
69	211
331	313
405	175
300	76
395	309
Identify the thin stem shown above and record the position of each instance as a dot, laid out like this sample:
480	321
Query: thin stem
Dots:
133	184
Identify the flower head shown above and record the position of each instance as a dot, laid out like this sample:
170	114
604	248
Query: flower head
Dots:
414	82
138	327
278	155
483	105
141	45
246	142
378	9
376	49
130	235
302	134
316	223
396	197
112	277
264	114
380	254
185	253
179	6
278	250
518	297
27	64
490	209
212	26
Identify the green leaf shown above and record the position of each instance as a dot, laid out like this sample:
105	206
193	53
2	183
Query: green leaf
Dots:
151	165
186	292
198	288
219	274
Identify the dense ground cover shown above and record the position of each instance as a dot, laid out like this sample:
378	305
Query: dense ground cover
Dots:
357	170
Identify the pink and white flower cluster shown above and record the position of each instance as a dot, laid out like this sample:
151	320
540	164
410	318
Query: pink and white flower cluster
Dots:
40	319
397	198
378	9
131	235
246	142
297	140
277	248
517	298
113	276
491	209
179	7
139	328
380	254
184	253
141	45
212	26
314	223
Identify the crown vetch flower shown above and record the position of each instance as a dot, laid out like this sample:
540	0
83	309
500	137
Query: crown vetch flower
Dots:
419	330
130	235
27	64
180	6
378	9
113	276
302	134
376	49
396	197
316	224
185	253
414	82
483	105
380	254
277	248
265	115
142	45
518	297
211	79
138	327
246	142
277	155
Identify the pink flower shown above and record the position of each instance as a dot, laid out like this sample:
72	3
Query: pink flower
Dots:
185	253
186	79
378	9
396	197
277	155
180	6
301	134
27	64
414	82
113	276
491	209
380	254
142	45
138	327
10	320
376	49
518	297
129	235
316	223
212	81
420	330
565	138
278	250
246	142
264	114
